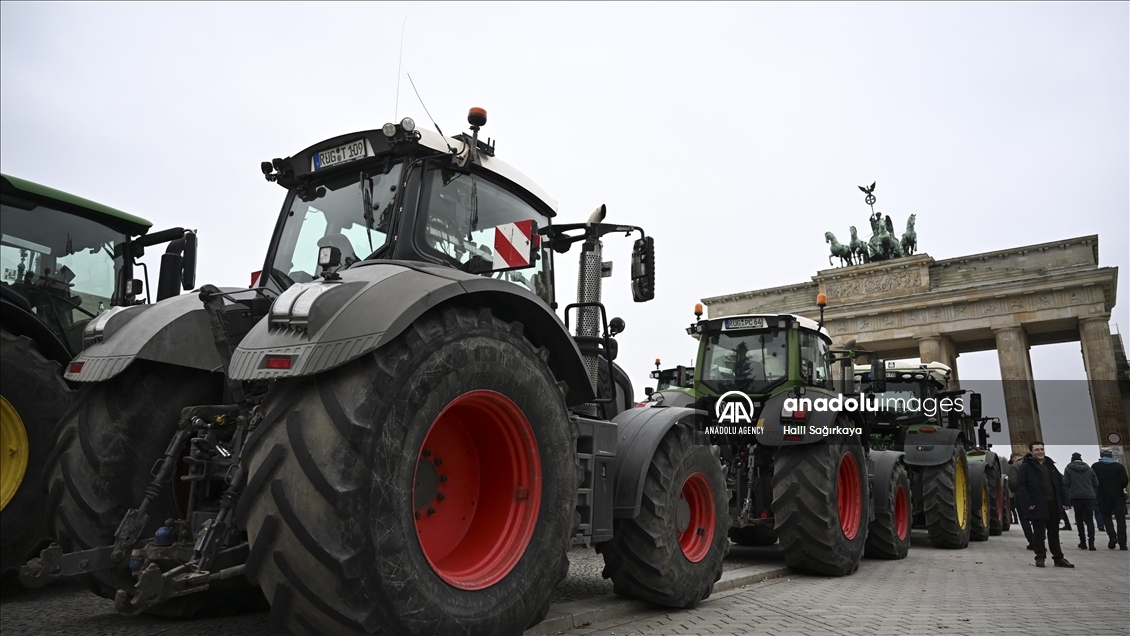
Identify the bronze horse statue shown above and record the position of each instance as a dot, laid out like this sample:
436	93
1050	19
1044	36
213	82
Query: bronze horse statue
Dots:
909	238
838	250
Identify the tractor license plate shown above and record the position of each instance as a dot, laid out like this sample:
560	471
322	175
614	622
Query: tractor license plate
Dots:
351	151
744	323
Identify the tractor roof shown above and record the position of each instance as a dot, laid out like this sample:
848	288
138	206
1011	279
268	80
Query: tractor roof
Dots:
771	320
910	371
66	202
434	141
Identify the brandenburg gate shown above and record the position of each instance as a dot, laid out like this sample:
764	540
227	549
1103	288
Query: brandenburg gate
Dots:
1008	300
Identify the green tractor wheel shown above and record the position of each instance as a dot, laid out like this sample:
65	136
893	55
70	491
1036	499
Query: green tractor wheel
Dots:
981	513
34	397
946	501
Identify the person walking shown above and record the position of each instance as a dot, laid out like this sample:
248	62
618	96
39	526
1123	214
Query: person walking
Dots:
1082	486
1042	495
1013	482
1112	498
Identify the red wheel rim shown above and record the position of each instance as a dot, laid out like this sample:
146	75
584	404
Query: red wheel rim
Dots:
902	512
694	517
477	490
849	495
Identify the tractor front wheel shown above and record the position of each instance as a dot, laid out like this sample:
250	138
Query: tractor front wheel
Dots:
998	505
945	501
889	534
671	553
427	488
982	511
820	505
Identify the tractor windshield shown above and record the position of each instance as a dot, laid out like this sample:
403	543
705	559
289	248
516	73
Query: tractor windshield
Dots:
896	402
351	212
750	361
62	264
480	227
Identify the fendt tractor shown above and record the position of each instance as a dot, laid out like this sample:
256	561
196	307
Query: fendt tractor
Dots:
675	379
957	483
392	431
796	455
67	264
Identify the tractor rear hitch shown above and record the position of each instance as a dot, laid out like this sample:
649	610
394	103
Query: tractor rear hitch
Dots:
52	564
155	587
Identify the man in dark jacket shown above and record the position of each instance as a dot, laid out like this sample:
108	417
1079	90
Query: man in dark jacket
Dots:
1082	486
1112	498
1042	497
1013	481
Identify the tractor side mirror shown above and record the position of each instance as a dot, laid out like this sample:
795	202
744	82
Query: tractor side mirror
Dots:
643	269
878	376
996	426
188	261
975	406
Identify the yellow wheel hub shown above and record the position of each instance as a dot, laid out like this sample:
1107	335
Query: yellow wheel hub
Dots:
13	451
962	494
985	505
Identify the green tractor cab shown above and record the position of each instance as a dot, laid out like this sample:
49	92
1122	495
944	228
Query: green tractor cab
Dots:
66	263
680	379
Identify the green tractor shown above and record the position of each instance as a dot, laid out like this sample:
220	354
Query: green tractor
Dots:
796	453
393	431
957	481
680	378
67	264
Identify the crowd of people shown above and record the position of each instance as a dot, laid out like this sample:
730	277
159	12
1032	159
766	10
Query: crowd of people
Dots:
1042	495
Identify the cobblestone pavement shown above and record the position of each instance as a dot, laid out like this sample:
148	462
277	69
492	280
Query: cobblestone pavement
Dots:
988	588
989	579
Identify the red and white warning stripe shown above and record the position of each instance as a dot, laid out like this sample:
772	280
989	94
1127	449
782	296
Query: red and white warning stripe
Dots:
512	244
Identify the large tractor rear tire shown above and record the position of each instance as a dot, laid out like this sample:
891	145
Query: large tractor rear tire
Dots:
820	505
33	397
888	536
753	536
998	502
427	488
946	501
108	443
671	553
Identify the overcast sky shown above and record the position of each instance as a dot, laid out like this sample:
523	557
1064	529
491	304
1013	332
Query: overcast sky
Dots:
735	134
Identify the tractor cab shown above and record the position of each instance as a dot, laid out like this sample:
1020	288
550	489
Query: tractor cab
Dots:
760	354
912	401
68	261
405	194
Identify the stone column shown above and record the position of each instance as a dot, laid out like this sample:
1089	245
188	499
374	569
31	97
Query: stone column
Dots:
940	349
1019	388
1102	380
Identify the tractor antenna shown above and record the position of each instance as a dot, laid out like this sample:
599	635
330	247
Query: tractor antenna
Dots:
429	114
399	65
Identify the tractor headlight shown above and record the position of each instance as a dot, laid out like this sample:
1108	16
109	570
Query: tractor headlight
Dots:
408	124
295	302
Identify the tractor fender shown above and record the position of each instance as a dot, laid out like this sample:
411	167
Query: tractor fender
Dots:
174	331
20	322
932	449
884	462
374	302
772	426
672	398
639	432
976	479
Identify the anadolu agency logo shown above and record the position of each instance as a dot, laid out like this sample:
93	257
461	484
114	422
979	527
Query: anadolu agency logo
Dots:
734	408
